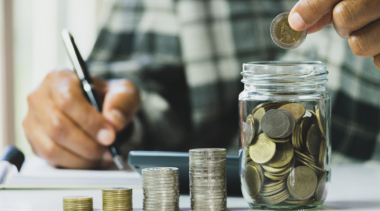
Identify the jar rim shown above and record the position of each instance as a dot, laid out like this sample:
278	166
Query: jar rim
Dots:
247	65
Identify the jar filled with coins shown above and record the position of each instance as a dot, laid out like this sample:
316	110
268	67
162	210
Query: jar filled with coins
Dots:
285	145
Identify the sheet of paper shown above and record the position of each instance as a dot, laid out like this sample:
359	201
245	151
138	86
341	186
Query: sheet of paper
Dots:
37	174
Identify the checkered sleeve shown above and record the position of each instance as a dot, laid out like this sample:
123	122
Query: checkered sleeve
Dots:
133	46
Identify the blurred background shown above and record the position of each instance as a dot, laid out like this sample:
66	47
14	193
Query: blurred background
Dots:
31	46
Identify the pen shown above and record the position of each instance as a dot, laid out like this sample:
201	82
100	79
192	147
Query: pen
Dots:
87	84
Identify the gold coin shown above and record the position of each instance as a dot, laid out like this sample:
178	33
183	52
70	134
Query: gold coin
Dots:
275	177
262	149
283	35
313	140
284	154
304	156
321	122
296	109
304	127
277	140
257	116
299	202
252	180
302	182
277	198
320	191
267	191
322	154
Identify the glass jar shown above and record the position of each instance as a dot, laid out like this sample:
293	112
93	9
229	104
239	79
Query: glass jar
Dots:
285	146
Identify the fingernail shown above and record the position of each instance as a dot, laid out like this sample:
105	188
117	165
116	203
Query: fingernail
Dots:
117	118
107	156
106	136
296	21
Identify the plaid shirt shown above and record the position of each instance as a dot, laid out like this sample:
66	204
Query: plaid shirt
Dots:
186	57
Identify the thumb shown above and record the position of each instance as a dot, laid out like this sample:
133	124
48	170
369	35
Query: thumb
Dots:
121	102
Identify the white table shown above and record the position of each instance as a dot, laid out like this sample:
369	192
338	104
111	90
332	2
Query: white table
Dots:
353	187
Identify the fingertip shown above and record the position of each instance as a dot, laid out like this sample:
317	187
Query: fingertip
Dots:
106	136
117	118
296	22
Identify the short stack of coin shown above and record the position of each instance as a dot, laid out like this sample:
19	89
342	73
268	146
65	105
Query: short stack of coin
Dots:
161	189
208	190
117	198
285	148
77	203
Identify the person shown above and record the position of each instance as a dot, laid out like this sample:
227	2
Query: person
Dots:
169	73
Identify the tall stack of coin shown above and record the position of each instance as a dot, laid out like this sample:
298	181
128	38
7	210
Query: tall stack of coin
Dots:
208	190
161	189
285	148
77	203
117	198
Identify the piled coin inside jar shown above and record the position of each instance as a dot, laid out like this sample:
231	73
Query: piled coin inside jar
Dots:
161	189
77	203
117	198
284	146
208	190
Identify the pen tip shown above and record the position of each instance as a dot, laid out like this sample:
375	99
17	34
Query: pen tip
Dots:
119	162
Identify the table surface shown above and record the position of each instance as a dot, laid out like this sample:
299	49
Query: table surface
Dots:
353	187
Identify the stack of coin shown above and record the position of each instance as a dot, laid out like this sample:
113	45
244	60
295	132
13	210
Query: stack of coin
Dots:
208	190
161	189
117	198
284	154
77	203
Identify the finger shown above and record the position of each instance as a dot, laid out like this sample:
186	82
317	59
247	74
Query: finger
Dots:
121	103
376	60
324	21
54	154
69	98
307	12
352	15
366	41
62	130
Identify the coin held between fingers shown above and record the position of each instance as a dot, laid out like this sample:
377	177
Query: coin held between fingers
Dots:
283	35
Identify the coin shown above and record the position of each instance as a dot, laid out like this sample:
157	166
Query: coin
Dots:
277	123
249	131
117	198
160	188
262	150
277	198
313	140
302	182
322	154
284	154
320	191
321	122
258	115
283	35
278	140
252	180
296	109
207	172
83	203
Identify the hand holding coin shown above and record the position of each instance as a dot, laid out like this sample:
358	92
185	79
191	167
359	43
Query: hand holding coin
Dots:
358	21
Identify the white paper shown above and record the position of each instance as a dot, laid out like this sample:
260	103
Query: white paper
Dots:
37	174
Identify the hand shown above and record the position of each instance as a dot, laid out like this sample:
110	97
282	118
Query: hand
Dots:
356	20
66	130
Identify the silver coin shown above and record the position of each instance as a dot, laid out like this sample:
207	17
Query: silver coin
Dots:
283	35
276	123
